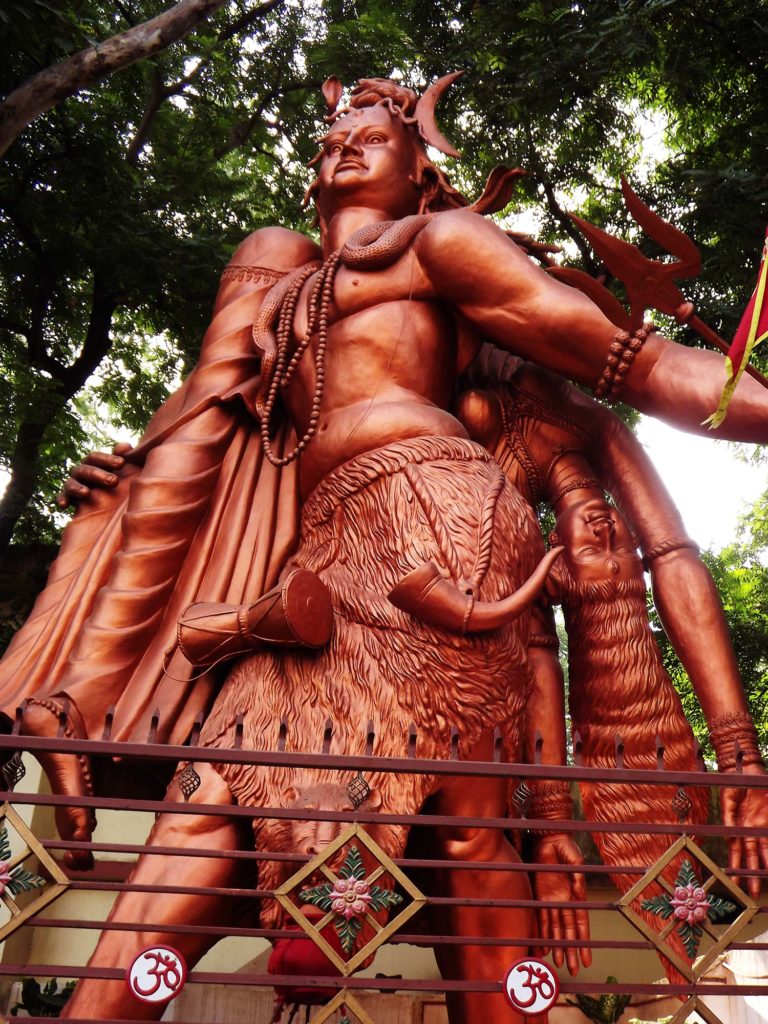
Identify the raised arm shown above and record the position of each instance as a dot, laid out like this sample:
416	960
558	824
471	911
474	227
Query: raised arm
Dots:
470	263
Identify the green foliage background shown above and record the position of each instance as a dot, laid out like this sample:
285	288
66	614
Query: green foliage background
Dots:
119	207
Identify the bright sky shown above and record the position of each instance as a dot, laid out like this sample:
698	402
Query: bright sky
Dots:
708	482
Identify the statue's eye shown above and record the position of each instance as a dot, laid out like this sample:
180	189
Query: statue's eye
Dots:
377	138
334	147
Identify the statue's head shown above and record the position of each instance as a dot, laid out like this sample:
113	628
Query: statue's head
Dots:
374	153
599	547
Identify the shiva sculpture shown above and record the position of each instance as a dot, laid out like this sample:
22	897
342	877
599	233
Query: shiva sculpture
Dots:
315	446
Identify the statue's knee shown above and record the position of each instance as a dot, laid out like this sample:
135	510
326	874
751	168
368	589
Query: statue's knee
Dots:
473	844
199	783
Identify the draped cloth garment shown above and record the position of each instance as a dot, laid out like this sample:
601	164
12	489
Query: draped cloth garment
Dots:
198	515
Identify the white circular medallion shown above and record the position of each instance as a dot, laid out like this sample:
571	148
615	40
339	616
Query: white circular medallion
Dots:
531	986
157	974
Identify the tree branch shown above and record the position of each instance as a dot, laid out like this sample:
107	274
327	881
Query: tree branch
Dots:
13	327
559	214
161	92
240	131
97	340
569	227
157	94
247	19
55	83
24	468
24	463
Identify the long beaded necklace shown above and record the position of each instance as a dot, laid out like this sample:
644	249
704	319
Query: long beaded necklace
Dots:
317	320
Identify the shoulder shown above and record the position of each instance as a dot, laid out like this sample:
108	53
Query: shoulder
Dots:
454	225
260	261
461	246
275	249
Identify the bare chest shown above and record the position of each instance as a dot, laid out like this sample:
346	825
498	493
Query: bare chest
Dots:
359	294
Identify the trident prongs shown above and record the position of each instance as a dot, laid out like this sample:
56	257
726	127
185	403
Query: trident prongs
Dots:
651	283
648	282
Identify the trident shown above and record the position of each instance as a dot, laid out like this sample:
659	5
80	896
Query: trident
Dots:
648	282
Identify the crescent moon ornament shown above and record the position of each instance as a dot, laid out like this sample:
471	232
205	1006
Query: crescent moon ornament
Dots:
425	114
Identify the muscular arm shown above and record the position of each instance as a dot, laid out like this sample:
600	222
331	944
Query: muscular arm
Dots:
545	714
514	303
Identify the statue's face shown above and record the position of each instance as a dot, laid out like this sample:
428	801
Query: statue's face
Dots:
598	545
369	159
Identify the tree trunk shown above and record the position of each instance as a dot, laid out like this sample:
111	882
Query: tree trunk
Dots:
25	461
24	468
55	83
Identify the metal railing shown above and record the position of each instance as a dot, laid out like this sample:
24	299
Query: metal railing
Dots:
283	756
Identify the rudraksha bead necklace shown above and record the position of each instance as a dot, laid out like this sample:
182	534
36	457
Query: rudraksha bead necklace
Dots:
317	321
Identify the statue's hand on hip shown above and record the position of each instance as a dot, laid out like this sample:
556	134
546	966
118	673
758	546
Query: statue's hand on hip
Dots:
97	470
563	923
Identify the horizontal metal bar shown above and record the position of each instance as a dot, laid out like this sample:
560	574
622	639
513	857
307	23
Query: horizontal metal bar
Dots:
410	939
368	762
393	984
376	817
402	862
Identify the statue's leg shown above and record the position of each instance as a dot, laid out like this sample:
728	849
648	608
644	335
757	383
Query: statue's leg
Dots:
96	999
478	798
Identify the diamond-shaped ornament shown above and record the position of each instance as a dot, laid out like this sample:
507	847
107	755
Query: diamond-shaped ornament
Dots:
32	847
699	894
342	1009
336	882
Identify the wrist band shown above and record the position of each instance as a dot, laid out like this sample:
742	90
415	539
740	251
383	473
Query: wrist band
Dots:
621	355
728	730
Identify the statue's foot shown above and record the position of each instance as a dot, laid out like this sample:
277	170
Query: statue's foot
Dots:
68	774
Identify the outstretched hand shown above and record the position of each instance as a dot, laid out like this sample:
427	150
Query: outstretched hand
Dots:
98	469
747	808
559	848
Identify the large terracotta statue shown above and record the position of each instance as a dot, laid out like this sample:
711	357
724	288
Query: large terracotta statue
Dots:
316	435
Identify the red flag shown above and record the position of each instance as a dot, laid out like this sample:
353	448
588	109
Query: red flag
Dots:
751	331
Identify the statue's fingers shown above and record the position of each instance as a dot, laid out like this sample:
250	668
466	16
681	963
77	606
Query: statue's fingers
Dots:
103	460
122	448
571	952
544	928
578	886
752	861
556	927
71	492
93	476
763	846
731	800
735	856
582	931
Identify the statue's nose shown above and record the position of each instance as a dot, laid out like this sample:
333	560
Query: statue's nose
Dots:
352	145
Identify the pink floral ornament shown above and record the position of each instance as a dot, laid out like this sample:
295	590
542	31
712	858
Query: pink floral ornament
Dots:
350	896
691	903
5	876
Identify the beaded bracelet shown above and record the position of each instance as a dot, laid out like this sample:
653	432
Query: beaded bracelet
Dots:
728	730
621	355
